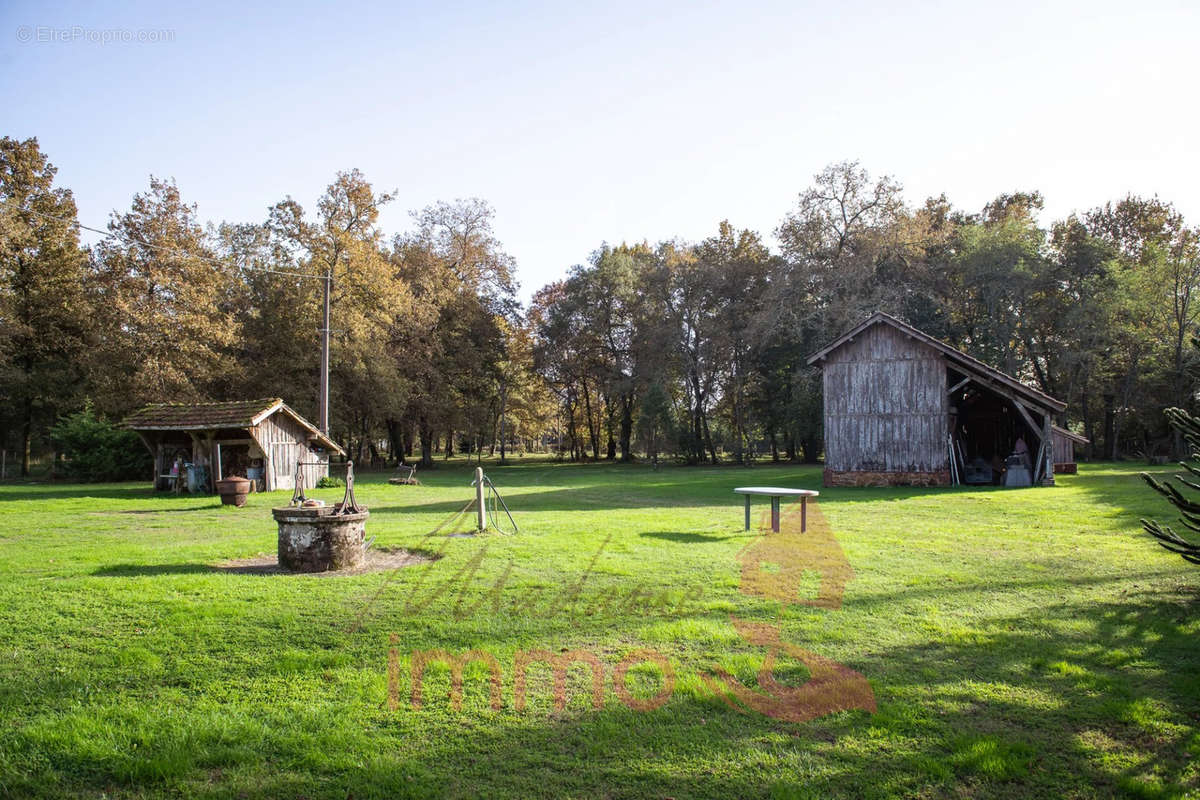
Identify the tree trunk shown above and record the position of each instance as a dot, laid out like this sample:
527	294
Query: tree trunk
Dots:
626	426
27	421
593	434
426	437
610	447
395	448
1110	428
708	441
26	436
739	448
572	433
1089	427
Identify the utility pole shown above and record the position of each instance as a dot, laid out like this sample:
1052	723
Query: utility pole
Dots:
323	397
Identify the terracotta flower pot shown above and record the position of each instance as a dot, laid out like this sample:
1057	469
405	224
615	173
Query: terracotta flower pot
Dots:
233	491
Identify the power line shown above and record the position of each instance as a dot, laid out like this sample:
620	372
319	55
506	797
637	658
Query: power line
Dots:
172	251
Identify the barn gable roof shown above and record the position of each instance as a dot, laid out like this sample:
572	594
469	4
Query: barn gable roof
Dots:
212	416
966	364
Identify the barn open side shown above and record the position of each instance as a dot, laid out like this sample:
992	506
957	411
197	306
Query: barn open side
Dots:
900	405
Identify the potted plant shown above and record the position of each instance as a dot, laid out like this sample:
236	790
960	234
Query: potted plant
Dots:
233	490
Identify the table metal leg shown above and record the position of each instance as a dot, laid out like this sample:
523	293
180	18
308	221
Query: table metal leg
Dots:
775	514
803	513
747	512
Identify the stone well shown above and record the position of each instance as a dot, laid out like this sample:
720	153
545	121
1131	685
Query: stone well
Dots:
320	539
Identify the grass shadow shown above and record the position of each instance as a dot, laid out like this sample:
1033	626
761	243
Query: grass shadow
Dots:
684	537
151	570
11	493
378	559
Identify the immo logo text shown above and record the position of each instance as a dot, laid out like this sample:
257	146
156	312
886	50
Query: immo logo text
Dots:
558	663
774	566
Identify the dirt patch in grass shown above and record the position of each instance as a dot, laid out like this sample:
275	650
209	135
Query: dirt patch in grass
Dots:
379	559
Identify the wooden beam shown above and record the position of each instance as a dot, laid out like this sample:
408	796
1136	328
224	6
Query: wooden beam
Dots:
197	447
146	440
268	471
1033	426
1048	442
152	446
1012	398
959	385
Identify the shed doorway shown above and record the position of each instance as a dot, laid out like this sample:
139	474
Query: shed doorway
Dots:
990	435
235	459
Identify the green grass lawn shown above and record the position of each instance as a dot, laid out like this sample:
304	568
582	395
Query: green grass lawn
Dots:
1018	643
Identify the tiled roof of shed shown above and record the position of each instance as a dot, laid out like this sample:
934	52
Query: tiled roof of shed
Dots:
212	416
185	416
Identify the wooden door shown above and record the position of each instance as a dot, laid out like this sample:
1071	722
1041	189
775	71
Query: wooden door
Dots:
283	464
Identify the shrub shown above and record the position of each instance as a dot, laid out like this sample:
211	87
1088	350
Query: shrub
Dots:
96	450
1189	509
330	482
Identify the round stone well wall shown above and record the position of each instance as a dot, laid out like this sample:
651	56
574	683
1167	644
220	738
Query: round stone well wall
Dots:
317	539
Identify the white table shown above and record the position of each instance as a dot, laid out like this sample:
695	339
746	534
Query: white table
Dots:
775	493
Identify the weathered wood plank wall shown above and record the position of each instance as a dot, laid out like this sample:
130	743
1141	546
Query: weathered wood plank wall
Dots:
885	405
284	443
1064	449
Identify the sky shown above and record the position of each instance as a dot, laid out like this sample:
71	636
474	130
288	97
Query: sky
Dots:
584	123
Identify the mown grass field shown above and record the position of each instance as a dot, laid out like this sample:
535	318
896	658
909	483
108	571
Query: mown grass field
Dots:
1019	643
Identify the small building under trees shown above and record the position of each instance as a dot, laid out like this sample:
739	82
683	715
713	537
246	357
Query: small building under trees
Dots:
1064	449
900	404
264	440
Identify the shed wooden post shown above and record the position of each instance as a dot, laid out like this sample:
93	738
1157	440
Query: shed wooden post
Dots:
151	443
197	452
212	469
1048	452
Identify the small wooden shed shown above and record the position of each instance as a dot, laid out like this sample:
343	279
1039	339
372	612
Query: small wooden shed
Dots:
899	404
1064	449
263	440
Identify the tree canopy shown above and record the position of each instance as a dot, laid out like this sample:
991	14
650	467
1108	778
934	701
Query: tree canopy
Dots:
695	350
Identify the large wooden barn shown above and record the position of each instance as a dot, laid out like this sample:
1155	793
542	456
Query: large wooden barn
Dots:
900	404
263	440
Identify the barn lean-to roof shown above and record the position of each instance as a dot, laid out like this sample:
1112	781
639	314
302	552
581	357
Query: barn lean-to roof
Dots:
969	365
1072	435
213	416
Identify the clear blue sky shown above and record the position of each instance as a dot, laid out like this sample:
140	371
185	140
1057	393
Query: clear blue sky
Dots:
611	121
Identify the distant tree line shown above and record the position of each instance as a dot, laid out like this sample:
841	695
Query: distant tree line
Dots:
699	349
679	349
428	351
